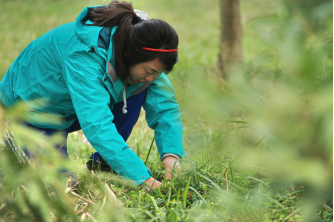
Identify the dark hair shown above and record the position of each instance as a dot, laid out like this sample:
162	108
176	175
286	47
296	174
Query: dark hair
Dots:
133	33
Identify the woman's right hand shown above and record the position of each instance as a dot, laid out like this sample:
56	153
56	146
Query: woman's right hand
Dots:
151	182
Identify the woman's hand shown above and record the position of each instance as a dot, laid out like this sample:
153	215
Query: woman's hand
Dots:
151	182
168	162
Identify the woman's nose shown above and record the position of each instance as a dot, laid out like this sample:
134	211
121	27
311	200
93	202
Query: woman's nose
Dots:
150	78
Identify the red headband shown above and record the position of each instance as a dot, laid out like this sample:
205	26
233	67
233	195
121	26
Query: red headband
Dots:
160	50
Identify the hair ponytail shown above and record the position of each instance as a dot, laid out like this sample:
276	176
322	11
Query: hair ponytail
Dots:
129	38
115	14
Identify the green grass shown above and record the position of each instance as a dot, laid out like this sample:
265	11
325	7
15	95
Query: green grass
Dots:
259	147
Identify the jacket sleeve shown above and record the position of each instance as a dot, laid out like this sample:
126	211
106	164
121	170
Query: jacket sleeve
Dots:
83	73
164	116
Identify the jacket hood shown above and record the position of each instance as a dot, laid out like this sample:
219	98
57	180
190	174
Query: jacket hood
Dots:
88	34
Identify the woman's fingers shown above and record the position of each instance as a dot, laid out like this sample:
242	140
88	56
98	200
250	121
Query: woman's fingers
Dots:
171	164
151	182
171	171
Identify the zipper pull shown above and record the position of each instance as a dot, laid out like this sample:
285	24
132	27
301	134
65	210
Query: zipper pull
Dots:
92	49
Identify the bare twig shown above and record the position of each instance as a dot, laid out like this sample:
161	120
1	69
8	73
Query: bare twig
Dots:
82	209
83	216
82	198
2	206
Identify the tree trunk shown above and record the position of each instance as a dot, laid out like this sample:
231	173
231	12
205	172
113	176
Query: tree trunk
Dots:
231	55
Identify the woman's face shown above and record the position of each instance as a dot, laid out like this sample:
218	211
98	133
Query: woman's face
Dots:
146	71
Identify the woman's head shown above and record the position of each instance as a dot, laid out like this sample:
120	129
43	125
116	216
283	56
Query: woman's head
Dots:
133	34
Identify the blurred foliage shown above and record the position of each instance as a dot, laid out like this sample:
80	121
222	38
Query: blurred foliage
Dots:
259	147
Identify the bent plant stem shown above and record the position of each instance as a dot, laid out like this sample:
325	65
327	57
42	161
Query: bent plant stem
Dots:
149	151
226	178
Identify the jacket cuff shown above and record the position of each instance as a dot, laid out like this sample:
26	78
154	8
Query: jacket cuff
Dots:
170	154
141	178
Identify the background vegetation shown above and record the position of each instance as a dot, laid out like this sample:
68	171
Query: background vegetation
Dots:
259	147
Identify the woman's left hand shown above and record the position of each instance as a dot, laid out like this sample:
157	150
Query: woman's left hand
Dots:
168	162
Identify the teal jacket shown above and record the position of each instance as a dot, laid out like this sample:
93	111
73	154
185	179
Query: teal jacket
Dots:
69	71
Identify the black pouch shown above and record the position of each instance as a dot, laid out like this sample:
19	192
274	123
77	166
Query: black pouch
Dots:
99	166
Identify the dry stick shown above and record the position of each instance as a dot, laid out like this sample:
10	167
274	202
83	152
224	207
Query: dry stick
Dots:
83	216
91	217
61	147
292	213
82	198
91	197
2	206
226	179
24	188
53	216
81	210
112	195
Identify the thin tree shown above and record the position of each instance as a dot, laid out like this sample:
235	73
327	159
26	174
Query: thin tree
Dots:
231	55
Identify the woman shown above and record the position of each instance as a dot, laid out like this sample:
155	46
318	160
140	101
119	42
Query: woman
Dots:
95	74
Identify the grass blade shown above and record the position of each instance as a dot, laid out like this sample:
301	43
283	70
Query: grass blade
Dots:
138	148
149	151
185	193
200	196
258	180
